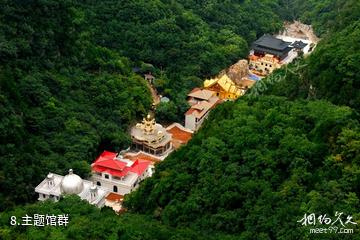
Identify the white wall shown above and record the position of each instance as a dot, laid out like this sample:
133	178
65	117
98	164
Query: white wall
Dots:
109	184
190	122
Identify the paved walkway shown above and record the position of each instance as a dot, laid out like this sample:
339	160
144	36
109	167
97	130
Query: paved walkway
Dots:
154	95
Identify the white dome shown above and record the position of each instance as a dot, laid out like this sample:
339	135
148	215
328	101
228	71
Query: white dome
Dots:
71	184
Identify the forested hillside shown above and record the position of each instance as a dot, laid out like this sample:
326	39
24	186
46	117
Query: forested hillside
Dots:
68	90
67	86
257	167
88	222
181	42
62	98
332	72
326	16
259	164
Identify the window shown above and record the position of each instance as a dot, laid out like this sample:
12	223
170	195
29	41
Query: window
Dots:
115	189
98	183
44	196
106	176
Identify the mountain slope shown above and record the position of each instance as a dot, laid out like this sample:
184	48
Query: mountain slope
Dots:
256	167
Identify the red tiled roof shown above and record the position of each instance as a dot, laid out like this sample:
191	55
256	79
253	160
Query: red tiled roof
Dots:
114	197
203	107
141	156
190	111
106	160
140	166
108	163
117	173
203	94
195	90
180	134
253	57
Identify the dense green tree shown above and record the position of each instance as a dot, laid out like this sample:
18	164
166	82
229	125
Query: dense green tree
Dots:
88	222
331	72
257	166
68	91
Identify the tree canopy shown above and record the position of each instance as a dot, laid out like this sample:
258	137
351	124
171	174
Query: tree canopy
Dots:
71	85
259	165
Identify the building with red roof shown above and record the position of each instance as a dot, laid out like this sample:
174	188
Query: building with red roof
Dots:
118	174
142	156
201	101
115	201
180	134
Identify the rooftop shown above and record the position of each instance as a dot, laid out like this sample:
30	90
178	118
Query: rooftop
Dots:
106	160
114	197
269	41
142	156
225	83
45	188
119	166
202	94
180	134
299	44
202	107
150	132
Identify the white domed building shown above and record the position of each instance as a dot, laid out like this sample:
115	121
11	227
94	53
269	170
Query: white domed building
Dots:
71	184
54	186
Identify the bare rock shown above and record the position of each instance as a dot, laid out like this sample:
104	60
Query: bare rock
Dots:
237	71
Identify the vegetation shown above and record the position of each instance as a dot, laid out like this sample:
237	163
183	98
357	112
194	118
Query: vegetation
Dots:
62	99
89	222
68	88
326	16
332	71
185	41
256	167
66	79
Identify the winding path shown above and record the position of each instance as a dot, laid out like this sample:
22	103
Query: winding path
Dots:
154	95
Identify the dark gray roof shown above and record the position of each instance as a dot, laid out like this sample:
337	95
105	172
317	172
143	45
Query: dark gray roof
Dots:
299	44
273	52
269	41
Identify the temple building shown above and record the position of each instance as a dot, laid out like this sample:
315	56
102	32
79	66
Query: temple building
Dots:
119	175
150	137
269	44
54	186
263	65
224	88
201	101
